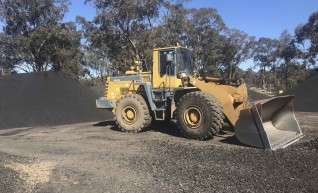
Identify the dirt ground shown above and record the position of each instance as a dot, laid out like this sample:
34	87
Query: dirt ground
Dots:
97	157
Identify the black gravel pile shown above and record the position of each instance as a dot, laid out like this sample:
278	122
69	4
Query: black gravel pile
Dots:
306	95
210	168
254	96
99	89
45	99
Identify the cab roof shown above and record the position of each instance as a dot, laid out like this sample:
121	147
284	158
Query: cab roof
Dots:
166	48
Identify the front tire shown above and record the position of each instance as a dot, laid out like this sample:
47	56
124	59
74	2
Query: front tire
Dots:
132	114
199	116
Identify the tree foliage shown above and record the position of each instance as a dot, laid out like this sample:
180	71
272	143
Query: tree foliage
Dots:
290	55
308	33
239	48
206	37
265	56
34	38
122	30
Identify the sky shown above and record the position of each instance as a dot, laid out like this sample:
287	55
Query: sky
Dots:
259	18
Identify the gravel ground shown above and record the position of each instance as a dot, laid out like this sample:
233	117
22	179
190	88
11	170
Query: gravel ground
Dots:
10	180
89	157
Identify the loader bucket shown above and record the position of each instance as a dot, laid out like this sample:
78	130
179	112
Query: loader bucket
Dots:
269	124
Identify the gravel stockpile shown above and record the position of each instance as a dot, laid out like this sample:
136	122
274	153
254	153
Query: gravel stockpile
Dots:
99	89
254	96
306	95
46	98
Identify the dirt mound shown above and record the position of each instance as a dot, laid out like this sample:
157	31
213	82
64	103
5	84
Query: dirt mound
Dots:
254	96
99	89
46	98
306	95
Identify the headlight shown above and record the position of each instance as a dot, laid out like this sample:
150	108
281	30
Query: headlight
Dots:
182	75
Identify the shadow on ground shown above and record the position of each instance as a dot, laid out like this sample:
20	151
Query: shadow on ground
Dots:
227	135
169	128
232	140
110	123
105	123
157	126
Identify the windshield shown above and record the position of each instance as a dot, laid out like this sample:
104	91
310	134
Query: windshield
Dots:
184	61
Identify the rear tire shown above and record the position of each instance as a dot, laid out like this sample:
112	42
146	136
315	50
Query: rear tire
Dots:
199	116
132	114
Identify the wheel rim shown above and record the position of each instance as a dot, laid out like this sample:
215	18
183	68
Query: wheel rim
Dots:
130	114
193	117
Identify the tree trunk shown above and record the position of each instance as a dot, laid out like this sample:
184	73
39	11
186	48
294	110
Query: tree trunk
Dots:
263	78
286	74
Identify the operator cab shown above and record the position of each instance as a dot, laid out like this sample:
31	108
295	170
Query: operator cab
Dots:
167	63
174	60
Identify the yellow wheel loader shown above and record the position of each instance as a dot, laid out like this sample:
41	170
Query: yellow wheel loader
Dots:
171	89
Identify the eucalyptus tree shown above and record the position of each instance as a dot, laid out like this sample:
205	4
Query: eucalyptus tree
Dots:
239	49
122	30
265	56
174	24
220	48
34	38
307	34
206	31
290	55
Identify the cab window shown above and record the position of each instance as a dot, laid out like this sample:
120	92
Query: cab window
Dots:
166	62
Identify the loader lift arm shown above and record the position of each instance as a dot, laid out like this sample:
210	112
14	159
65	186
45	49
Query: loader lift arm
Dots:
224	97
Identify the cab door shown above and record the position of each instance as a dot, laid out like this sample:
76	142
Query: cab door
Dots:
164	69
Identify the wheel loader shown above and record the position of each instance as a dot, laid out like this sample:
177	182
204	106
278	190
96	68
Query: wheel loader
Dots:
172	89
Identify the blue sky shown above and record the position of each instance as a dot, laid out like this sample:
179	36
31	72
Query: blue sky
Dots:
260	18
